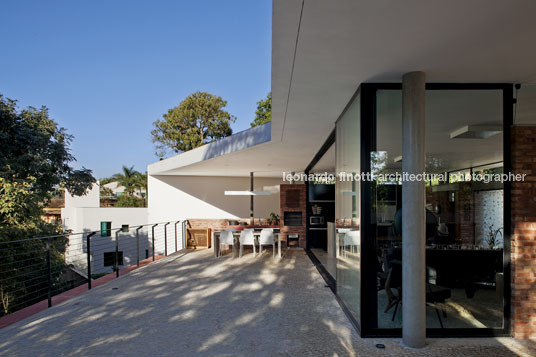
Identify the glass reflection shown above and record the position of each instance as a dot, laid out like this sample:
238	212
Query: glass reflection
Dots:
464	217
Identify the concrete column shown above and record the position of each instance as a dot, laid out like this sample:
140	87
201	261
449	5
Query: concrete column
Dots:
413	212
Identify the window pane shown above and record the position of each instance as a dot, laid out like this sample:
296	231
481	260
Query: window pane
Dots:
347	236
464	213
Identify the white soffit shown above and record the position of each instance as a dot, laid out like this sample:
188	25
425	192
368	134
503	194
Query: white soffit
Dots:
342	43
323	50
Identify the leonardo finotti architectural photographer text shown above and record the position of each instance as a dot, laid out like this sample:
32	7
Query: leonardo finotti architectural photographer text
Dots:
402	177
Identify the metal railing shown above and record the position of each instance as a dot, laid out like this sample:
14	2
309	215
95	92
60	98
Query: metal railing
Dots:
36	269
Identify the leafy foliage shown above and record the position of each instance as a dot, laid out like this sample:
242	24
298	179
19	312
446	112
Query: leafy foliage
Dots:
130	201
199	119
134	182
106	192
34	163
263	114
104	181
33	145
130	179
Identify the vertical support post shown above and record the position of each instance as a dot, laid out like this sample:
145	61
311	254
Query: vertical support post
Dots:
413	211
49	273
184	234
251	202
116	263
152	228
176	248
88	249
165	238
138	246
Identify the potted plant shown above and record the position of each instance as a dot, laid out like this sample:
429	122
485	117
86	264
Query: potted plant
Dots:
273	219
492	239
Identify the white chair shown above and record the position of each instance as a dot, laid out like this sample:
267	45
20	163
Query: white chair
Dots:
351	239
226	238
247	238
340	238
267	238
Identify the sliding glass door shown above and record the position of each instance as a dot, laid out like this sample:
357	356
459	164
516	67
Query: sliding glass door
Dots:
467	230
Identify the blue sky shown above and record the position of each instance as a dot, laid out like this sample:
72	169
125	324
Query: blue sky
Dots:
108	69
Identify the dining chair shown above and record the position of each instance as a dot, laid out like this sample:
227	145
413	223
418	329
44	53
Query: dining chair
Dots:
434	293
340	234
247	238
226	238
267	238
351	239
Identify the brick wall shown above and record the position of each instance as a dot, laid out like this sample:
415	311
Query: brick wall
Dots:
464	214
524	233
214	224
293	199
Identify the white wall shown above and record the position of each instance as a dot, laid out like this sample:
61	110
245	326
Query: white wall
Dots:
82	220
173	198
116	188
91	199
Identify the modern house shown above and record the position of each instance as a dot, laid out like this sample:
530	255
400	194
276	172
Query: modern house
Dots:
119	190
390	88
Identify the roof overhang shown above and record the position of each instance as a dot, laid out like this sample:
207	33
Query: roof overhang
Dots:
322	50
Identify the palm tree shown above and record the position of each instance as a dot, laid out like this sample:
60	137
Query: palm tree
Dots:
141	185
129	179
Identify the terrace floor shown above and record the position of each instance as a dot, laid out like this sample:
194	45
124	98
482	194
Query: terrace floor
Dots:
191	303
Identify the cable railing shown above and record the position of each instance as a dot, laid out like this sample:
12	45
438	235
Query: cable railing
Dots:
34	270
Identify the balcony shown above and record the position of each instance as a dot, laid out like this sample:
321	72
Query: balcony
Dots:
191	303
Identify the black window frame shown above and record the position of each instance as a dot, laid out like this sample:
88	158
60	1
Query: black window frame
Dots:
368	234
108	231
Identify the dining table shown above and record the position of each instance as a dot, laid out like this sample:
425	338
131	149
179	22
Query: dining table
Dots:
236	236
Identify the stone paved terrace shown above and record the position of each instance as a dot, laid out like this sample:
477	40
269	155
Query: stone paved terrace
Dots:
194	304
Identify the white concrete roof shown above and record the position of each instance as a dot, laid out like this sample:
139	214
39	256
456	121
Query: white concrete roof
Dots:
322	50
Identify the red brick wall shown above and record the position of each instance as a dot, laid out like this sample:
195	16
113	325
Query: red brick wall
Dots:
524	233
214	224
292	201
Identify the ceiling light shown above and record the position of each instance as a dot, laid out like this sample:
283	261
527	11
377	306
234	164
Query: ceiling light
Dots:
476	132
247	193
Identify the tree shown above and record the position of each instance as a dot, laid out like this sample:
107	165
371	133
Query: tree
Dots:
33	145
263	114
130	201
129	179
105	192
34	164
198	120
106	180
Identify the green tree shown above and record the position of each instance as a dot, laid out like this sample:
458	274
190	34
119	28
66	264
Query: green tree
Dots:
33	145
133	181
106	180
105	192
140	182
34	164
129	179
199	119
263	114
130	201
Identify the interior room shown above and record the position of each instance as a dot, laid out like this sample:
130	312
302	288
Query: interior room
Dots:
464	217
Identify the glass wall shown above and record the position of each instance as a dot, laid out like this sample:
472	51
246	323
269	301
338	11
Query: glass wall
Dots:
347	214
464	209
